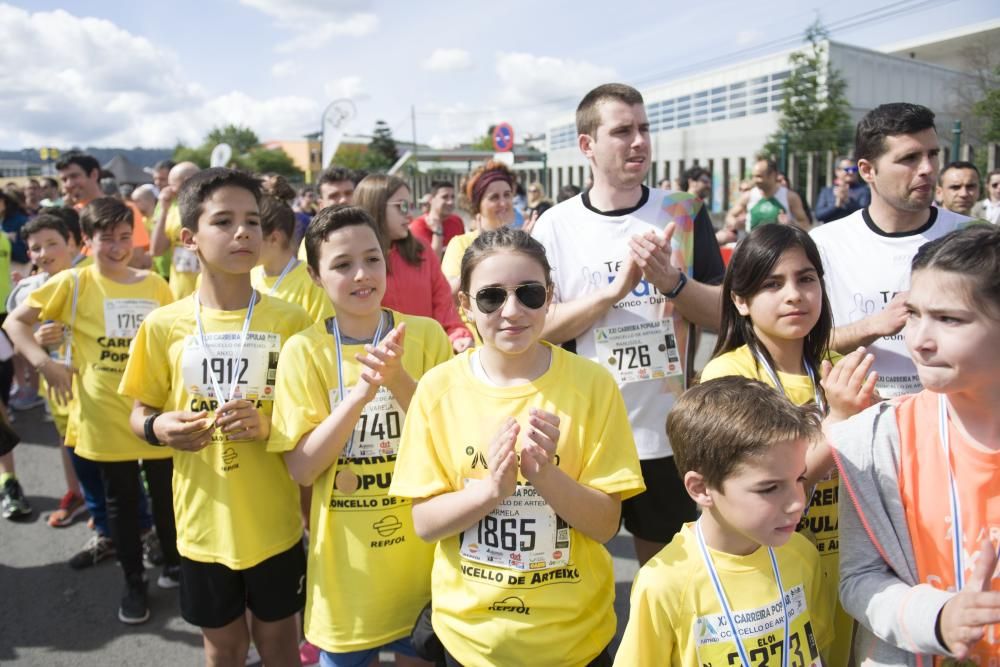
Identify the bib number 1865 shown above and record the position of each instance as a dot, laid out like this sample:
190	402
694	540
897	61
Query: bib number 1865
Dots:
507	534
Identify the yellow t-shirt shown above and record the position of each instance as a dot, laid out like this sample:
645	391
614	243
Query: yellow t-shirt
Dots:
368	573
451	267
821	520
521	586
675	617
296	287
107	316
184	264
235	503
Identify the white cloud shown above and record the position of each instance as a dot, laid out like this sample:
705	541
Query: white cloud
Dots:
447	60
85	81
347	86
316	22
748	36
285	69
529	79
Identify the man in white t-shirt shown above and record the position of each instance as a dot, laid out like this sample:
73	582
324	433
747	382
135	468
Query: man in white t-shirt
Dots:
867	255
633	268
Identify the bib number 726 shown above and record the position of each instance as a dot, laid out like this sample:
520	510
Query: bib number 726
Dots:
633	356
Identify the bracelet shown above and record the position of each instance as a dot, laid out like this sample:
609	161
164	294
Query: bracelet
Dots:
148	431
40	366
681	282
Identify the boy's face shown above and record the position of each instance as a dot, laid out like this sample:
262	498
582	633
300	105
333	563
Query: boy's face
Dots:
352	270
112	247
229	236
762	501
50	252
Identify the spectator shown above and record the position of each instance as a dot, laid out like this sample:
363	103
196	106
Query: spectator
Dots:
537	204
989	208
439	225
160	172
51	196
958	187
847	194
697	181
767	202
12	218
336	186
32	197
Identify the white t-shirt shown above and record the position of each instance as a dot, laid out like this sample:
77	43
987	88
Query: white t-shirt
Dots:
865	267
585	247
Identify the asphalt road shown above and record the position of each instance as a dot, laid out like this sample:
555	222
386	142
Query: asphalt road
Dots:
51	615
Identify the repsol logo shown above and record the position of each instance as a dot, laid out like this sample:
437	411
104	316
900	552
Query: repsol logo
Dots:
512	604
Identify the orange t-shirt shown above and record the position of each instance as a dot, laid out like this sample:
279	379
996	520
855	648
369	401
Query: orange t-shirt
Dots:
923	485
140	237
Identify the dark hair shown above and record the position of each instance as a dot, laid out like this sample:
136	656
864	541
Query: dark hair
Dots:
889	120
958	164
86	162
277	186
201	185
588	115
693	174
751	264
772	166
12	204
567	192
70	218
277	215
372	194
993	172
973	252
46	221
164	164
335	174
104	214
718	425
51	182
329	220
439	185
490	170
504	239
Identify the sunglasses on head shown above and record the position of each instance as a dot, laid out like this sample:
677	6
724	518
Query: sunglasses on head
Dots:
531	295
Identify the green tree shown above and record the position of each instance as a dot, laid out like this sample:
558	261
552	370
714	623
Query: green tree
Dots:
351	156
814	112
247	152
199	155
382	152
988	109
271	160
485	142
241	139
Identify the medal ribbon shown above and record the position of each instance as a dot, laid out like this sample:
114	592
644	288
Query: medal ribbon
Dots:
205	350
338	344
292	263
771	373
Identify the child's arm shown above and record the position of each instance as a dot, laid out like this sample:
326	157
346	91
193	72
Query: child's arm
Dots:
20	326
594	513
180	429
963	620
445	515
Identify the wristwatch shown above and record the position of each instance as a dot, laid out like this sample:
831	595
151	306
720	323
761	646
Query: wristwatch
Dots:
681	282
148	431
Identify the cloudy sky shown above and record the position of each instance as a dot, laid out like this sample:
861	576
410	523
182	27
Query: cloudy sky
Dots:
124	73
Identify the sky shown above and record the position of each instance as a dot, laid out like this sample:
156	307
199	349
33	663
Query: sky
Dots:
124	73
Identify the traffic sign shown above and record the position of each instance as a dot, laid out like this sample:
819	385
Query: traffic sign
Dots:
503	138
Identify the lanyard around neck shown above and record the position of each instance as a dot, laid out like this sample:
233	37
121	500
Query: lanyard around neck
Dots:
203	340
292	263
338	342
773	374
956	508
724	603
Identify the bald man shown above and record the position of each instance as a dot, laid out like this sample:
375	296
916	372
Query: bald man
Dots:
166	237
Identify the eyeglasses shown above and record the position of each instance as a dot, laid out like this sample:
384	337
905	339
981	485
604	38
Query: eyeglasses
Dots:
850	170
403	206
531	295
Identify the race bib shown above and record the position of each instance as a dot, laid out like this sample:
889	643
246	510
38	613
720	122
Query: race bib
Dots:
639	351
253	372
378	429
522	533
186	261
122	317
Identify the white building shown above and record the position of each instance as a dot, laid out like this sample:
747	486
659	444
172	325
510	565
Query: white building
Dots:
720	119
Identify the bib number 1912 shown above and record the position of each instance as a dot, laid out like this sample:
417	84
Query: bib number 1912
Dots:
226	371
633	356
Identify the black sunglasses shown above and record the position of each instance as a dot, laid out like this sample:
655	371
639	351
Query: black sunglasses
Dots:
531	295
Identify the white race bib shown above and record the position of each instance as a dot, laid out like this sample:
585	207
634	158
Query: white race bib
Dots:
186	261
639	351
253	372
522	533
122	317
378	429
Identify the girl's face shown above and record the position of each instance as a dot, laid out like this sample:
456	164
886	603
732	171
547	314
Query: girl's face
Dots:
397	214
513	327
789	302
951	340
496	209
352	270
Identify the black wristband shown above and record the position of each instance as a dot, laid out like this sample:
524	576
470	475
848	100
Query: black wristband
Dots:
148	431
681	282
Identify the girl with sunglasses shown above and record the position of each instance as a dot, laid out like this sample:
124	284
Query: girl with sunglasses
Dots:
516	456
415	284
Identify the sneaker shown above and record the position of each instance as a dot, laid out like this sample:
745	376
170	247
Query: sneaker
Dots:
134	608
22	400
13	504
97	548
70	507
151	550
170	577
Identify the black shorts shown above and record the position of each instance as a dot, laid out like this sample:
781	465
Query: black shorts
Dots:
213	596
658	514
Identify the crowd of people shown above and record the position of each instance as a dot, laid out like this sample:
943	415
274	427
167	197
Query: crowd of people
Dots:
322	417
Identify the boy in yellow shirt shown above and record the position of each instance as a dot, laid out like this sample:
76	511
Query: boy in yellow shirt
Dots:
103	305
741	450
344	386
202	376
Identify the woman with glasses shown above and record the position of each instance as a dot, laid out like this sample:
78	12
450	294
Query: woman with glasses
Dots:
415	284
517	455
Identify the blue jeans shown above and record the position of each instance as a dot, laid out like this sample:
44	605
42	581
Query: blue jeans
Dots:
89	474
362	658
